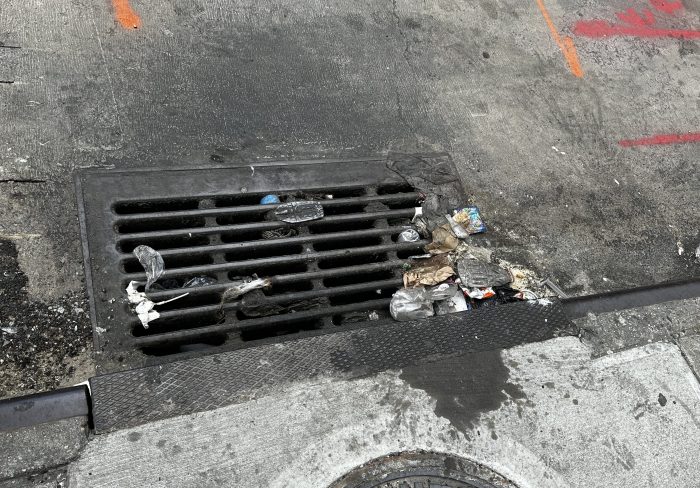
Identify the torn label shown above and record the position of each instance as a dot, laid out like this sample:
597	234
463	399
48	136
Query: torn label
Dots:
152	263
296	212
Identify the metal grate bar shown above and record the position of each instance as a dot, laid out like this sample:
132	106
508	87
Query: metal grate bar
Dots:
261	226
255	209
271	243
264	322
279	299
283	279
325	275
250	265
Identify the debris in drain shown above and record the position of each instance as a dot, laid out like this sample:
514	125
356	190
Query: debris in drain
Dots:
444	241
430	284
477	274
269	199
421	226
409	235
479	293
470	219
443	291
255	304
143	306
457	229
278	233
198	281
411	304
242	287
152	263
452	304
430	273
373	315
297	212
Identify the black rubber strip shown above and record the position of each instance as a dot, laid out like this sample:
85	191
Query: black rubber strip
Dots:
44	407
631	298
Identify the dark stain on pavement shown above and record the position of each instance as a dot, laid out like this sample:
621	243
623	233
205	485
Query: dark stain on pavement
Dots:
465	386
36	339
134	436
662	400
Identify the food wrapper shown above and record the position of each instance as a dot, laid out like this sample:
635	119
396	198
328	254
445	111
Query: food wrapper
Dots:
470	219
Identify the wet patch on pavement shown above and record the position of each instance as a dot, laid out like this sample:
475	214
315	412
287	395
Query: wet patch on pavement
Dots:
465	386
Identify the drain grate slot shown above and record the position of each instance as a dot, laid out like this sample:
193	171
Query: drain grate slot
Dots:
127	245
209	223
145	206
358	278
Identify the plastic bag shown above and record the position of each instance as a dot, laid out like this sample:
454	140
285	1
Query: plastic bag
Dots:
442	291
476	274
453	304
152	263
200	281
411	304
409	235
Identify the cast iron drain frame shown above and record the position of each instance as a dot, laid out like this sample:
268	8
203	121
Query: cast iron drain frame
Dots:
208	222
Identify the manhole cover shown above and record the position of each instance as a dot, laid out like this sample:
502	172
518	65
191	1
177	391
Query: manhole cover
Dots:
422	470
210	226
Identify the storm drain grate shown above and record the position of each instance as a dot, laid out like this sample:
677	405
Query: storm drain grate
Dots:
209	225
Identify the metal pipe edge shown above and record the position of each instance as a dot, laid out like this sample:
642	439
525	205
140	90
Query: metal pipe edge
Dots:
49	406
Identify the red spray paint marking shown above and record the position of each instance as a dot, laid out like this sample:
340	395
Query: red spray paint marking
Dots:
636	24
666	6
662	139
601	28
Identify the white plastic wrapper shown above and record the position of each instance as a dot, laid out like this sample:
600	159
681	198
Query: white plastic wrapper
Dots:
143	306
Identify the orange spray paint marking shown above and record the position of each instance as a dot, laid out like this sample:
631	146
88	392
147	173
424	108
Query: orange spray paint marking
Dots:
566	44
125	14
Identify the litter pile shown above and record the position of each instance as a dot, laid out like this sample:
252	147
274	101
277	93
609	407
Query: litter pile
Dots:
452	276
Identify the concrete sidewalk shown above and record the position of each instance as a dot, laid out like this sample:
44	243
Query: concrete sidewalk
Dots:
626	419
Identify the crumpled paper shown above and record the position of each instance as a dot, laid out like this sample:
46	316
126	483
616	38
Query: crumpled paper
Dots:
444	240
430	275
